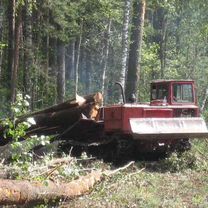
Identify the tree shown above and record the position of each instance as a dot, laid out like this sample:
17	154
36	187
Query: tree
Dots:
125	41
11	41
28	48
135	48
77	60
61	71
106	53
1	36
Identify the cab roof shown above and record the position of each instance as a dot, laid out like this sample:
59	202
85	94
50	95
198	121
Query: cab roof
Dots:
169	81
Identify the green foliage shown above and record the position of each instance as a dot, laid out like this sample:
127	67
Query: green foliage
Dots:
17	131
2	45
179	162
205	115
194	159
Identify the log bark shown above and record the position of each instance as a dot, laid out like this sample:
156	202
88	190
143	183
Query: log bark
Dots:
78	101
25	192
59	118
30	193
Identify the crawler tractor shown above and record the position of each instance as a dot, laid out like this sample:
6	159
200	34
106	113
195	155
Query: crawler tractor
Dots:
165	124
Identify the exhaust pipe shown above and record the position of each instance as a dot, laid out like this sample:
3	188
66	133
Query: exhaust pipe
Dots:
122	92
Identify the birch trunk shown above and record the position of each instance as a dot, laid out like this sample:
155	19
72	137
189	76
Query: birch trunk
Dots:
125	33
107	43
77	62
163	44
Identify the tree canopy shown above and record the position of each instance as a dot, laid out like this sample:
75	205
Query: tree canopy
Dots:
45	45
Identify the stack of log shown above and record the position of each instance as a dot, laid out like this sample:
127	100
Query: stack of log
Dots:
74	119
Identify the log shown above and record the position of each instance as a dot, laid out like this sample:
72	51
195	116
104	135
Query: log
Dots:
86	130
78	101
58	118
65	115
14	192
25	192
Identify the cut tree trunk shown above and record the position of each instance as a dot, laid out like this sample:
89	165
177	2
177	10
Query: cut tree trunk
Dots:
14	192
25	192
78	101
57	119
61	119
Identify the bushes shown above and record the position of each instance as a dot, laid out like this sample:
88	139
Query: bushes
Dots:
16	132
195	159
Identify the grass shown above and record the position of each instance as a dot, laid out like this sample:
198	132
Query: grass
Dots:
149	189
175	182
160	184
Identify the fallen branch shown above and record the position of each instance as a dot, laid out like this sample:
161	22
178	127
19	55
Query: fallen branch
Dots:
112	172
26	192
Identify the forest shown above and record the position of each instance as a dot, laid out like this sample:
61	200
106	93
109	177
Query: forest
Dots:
51	50
54	51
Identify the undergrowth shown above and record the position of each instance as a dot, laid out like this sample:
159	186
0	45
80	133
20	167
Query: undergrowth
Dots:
20	145
195	159
179	180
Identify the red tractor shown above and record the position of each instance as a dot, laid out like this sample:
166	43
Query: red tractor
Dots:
166	123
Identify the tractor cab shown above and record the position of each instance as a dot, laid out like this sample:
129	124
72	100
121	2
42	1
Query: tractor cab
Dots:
172	92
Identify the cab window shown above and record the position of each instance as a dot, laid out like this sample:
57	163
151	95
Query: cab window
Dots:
159	92
183	93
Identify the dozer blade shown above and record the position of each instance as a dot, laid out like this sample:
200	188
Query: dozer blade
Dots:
168	128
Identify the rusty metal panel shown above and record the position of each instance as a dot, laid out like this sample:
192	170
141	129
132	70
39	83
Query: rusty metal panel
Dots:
113	118
157	113
112	113
130	112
